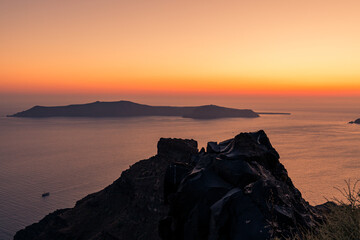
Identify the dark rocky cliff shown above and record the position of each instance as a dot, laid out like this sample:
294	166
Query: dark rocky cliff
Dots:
130	208
236	189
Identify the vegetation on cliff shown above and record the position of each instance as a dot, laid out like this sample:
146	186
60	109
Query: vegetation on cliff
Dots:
342	219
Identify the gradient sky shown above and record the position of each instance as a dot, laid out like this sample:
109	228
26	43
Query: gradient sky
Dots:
201	47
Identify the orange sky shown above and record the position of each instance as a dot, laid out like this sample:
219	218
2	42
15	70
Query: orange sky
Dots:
201	47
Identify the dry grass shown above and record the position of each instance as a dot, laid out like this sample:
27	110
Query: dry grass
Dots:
343	221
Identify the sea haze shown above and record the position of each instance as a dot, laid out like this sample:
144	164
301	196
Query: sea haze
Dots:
72	157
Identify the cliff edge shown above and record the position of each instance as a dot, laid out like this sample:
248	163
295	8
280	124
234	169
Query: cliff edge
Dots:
236	189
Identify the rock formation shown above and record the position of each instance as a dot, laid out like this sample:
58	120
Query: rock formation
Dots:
236	189
130	208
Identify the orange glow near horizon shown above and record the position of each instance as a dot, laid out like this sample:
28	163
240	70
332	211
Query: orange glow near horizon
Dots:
271	47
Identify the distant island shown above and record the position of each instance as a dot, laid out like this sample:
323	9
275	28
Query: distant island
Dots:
131	109
357	121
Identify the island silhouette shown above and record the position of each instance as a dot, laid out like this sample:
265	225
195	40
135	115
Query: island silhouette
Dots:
131	109
357	121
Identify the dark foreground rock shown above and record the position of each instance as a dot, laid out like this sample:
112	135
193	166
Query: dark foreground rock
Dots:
130	208
357	121
236	189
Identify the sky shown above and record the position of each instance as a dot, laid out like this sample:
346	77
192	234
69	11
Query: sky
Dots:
270	47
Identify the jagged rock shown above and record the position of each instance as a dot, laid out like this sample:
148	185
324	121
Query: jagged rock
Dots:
178	149
130	208
238	189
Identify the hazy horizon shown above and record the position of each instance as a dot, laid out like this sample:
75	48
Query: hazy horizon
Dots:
19	102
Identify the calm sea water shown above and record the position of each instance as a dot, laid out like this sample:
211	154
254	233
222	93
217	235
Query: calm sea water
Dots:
71	158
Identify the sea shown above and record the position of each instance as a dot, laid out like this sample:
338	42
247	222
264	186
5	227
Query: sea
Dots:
73	157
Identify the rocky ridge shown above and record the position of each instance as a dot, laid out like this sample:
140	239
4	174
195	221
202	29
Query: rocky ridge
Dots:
236	189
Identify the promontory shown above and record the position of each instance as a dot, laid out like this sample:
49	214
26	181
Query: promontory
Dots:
235	189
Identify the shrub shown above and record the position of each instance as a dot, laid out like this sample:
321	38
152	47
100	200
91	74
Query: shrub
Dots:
343	220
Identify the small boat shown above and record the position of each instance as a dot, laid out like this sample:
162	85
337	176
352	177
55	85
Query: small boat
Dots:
45	194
